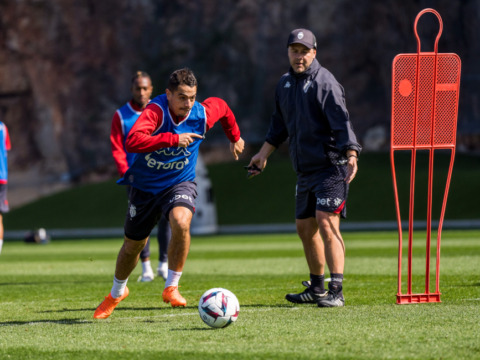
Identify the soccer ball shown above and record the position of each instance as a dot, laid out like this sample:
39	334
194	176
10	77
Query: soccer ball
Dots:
218	307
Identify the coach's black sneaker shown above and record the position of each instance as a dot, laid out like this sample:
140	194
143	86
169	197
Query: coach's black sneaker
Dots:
305	297
332	299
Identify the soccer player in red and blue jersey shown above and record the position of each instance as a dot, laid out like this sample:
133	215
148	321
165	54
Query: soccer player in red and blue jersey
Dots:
5	146
166	139
122	122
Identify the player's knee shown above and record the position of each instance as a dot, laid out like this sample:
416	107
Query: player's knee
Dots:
133	247
180	220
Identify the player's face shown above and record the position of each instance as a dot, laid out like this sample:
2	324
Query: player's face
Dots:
181	100
300	57
142	91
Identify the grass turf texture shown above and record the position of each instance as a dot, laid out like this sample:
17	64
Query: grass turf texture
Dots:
49	293
269	198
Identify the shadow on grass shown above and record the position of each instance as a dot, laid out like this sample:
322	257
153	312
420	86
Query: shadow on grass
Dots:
197	329
61	322
66	310
36	283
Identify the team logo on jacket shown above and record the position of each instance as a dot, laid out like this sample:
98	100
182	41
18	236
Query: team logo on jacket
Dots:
287	85
307	85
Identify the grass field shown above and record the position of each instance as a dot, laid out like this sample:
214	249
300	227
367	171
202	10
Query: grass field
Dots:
49	293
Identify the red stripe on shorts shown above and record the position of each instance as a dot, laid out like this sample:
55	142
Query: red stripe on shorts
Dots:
340	208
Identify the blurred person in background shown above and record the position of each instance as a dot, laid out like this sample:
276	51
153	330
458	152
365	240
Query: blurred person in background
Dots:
122	123
5	146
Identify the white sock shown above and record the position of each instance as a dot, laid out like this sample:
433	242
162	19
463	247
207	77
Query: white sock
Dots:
118	287
147	267
173	278
1	245
162	264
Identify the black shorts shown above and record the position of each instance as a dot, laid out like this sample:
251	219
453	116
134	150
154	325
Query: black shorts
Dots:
324	190
4	208
145	209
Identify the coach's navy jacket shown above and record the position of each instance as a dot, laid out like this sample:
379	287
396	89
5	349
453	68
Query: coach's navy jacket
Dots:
310	110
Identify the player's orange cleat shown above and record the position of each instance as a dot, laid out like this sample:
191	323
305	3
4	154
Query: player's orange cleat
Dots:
105	309
172	296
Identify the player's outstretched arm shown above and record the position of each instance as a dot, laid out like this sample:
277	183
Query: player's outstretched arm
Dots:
237	148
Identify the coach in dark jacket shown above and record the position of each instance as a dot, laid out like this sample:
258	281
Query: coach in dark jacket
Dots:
310	111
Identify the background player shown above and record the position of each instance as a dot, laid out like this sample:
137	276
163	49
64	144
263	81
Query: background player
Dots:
5	146
122	123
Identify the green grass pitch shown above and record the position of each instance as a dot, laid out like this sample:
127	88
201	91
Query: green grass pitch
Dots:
48	294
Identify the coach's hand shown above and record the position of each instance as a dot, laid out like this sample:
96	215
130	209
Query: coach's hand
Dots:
237	148
352	168
187	138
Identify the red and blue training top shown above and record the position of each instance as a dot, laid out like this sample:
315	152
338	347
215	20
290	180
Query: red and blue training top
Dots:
159	163
122	123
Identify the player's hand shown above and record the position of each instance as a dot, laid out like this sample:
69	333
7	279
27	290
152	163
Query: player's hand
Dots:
186	139
237	148
352	168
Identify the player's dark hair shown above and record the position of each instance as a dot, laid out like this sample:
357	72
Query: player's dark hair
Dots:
179	77
140	74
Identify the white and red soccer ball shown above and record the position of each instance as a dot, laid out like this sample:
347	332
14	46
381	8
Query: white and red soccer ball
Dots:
218	307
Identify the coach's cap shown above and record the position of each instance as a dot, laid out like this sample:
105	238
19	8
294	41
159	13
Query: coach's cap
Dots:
304	37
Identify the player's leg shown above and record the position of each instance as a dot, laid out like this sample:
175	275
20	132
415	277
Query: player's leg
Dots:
179	205
141	216
1	232
127	260
128	257
180	220
147	272
4	208
163	235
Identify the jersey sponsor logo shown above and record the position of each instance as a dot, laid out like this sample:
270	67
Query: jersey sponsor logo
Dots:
323	202
327	201
158	165
181	196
